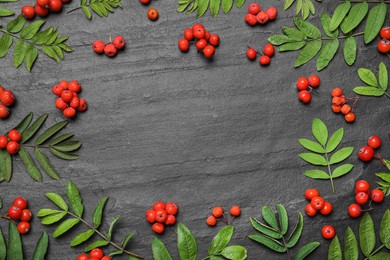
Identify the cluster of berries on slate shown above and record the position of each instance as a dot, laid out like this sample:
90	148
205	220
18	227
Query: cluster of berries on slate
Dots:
256	15
68	100
42	8
12	142
339	105
205	42
94	254
384	44
162	214
265	58
111	48
19	211
217	213
366	153
317	203
7	99
306	86
363	196
152	12
328	232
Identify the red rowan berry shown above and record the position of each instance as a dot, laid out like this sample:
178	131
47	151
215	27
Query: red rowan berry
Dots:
374	142
119	42
83	105
69	112
262	17
26	215
13	147
354	210
150	216
4	112
317	202
55	6
158	228
106	258
302	83
269	50
159	205
211	221
171	208
264	60
199	33
23	227
385	33
327	209
310	211
209	51
350	117
311	193
362	186
144	2
7	98
384	46
336	108
83	257
304	96
314	81
251	53
14	212
171	220
14	135
328	232
235	211
61	104
28	12
217	212
75	102
97	253
250	19
43	3
184	45
366	153
3	142
152	14
201	44
188	34
57	90
110	50
161	215
254	8
98	46
64	84
377	196
214	40
74	86
207	35
41	11
345	109
337	92
271	12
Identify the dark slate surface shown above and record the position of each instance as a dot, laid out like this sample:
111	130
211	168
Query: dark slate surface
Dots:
168	126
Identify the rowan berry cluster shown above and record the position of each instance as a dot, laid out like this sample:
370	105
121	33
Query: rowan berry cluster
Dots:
68	100
162	214
362	197
217	213
42	8
7	99
306	86
366	153
12	142
384	44
339	105
256	15
205	42
111	48
265	58
317	203
94	254
19	211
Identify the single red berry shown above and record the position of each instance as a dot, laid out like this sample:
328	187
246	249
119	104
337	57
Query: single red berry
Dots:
3	141
209	51
171	220
196	26
150	216
304	96
327	209
14	212
384	46
310	211
97	253
377	195
199	33
7	98
211	221
350	117
362	186
159	205
235	211
214	40
269	50
171	208
106	258
57	90
207	35
64	84
144	2
43	3
110	50
354	210
336	108
314	81
311	193
152	14
23	227
361	198
98	46
28	12
385	33
317	203
26	215
55	6
250	19
217	212
345	109
254	8
69	112
374	142
74	86
201	44
20	203
366	153
272	12
4	112
1	89
337	92
184	45
83	105
158	228
67	95
41	11
264	60
119	42
188	34
251	53
83	257
61	104
161	215
328	232
14	135
262	17
302	83
75	102
13	147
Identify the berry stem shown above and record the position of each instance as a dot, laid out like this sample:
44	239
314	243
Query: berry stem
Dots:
379	157
330	172
9	219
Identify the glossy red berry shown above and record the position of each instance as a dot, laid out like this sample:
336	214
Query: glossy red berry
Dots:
384	46
251	53
83	257
250	19
207	35
377	196
159	205
13	147
188	34
361	198
55	6
211	221
97	253
23	227
153	14
150	216
57	90
161	215
171	208
328	232
74	86
69	112
43	3
171	220
196	26
262	17
98	46
41	11
385	33
254	8
311	193
209	51
310	210
61	104
374	142
354	210
119	42
75	102
336	108
269	50
302	83
362	186
235	211
272	13
214	40
264	60
199	33
64	84
7	98
110	50
350	117
366	153
337	92
4	112
67	95
217	212
14	135
26	215
3	141
201	44
28	12
327	209
14	212
314	81
304	96
20	203
144	2
317	203
158	228
83	105
345	109
184	45
106	258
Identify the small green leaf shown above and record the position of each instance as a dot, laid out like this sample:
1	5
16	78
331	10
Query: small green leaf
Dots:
17	24
5	12
160	252
26	121
327	54
296	234
111	228
380	256
335	140
384	176
19	53
65	156
98	243
349	50
288	4
50	132
41	247
234	252
65	226
325	21
383	76
342	170
368	91
29	31
98	212
53	218
45	164
351	250
292	46
307	28
294	34
31	56
339	15
279	39
368	77
269	217
126	239
320	131
3	247
5	44
87	12
268	242
313	158
341	155
355	17
202	7
58	200
60	139
214	7
367	234
317	174
283	218
30	165
68	146
186	243
6	165
376	18
312	146
306	250
47	212
221	240
82	237
74	198
266	230
334	252
50	52
384	233
15	250
227	6
308	52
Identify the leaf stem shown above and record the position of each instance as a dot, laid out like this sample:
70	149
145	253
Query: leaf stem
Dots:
340	37
330	172
376	251
75	9
285	245
104	237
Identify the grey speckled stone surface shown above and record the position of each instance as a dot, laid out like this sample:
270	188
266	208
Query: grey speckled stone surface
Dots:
163	125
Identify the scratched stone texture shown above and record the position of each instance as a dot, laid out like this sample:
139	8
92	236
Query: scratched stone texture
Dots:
163	125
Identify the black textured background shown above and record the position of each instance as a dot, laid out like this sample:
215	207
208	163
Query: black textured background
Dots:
163	125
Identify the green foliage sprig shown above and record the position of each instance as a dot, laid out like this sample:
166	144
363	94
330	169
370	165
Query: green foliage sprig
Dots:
375	87
30	40
219	248
321	150
367	241
273	234
384	184
14	250
100	7
60	147
4	11
202	6
309	40
305	7
75	214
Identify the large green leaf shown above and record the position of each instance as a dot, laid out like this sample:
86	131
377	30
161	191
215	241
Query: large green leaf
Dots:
41	247
279	39
306	250
327	53
334	252
214	7
98	212
5	12
15	250
65	226
339	15
376	18
355	17
74	198
297	232
367	234
351	249
384	232
160	252
221	240
186	243
268	242
234	252
292	46
294	34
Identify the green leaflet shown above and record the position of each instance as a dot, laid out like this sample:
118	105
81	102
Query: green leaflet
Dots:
201	6
355	16
45	164
221	240
186	243
307	28
65	226
308	52
17	24
3	247
325	21
383	76
6	166
262	228
279	39
60	139
314	159
269	217
41	247
98	212
312	146
317	174
334	140
82	237
160	252
297	232
380	256
283	218
214	7
384	232
64	156
111	228
53	218
30	165
126	239
368	77
26	121
292	46
98	243
339	15
335	252
29	31
294	34
74	198
234	252
31	56
367	234
58	200
341	170
306	250
288	4
351	250
5	44
268	242
368	91
320	131
376	18
50	132
341	155
68	146
5	12
19	53
15	251
327	53
349	50
47	212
